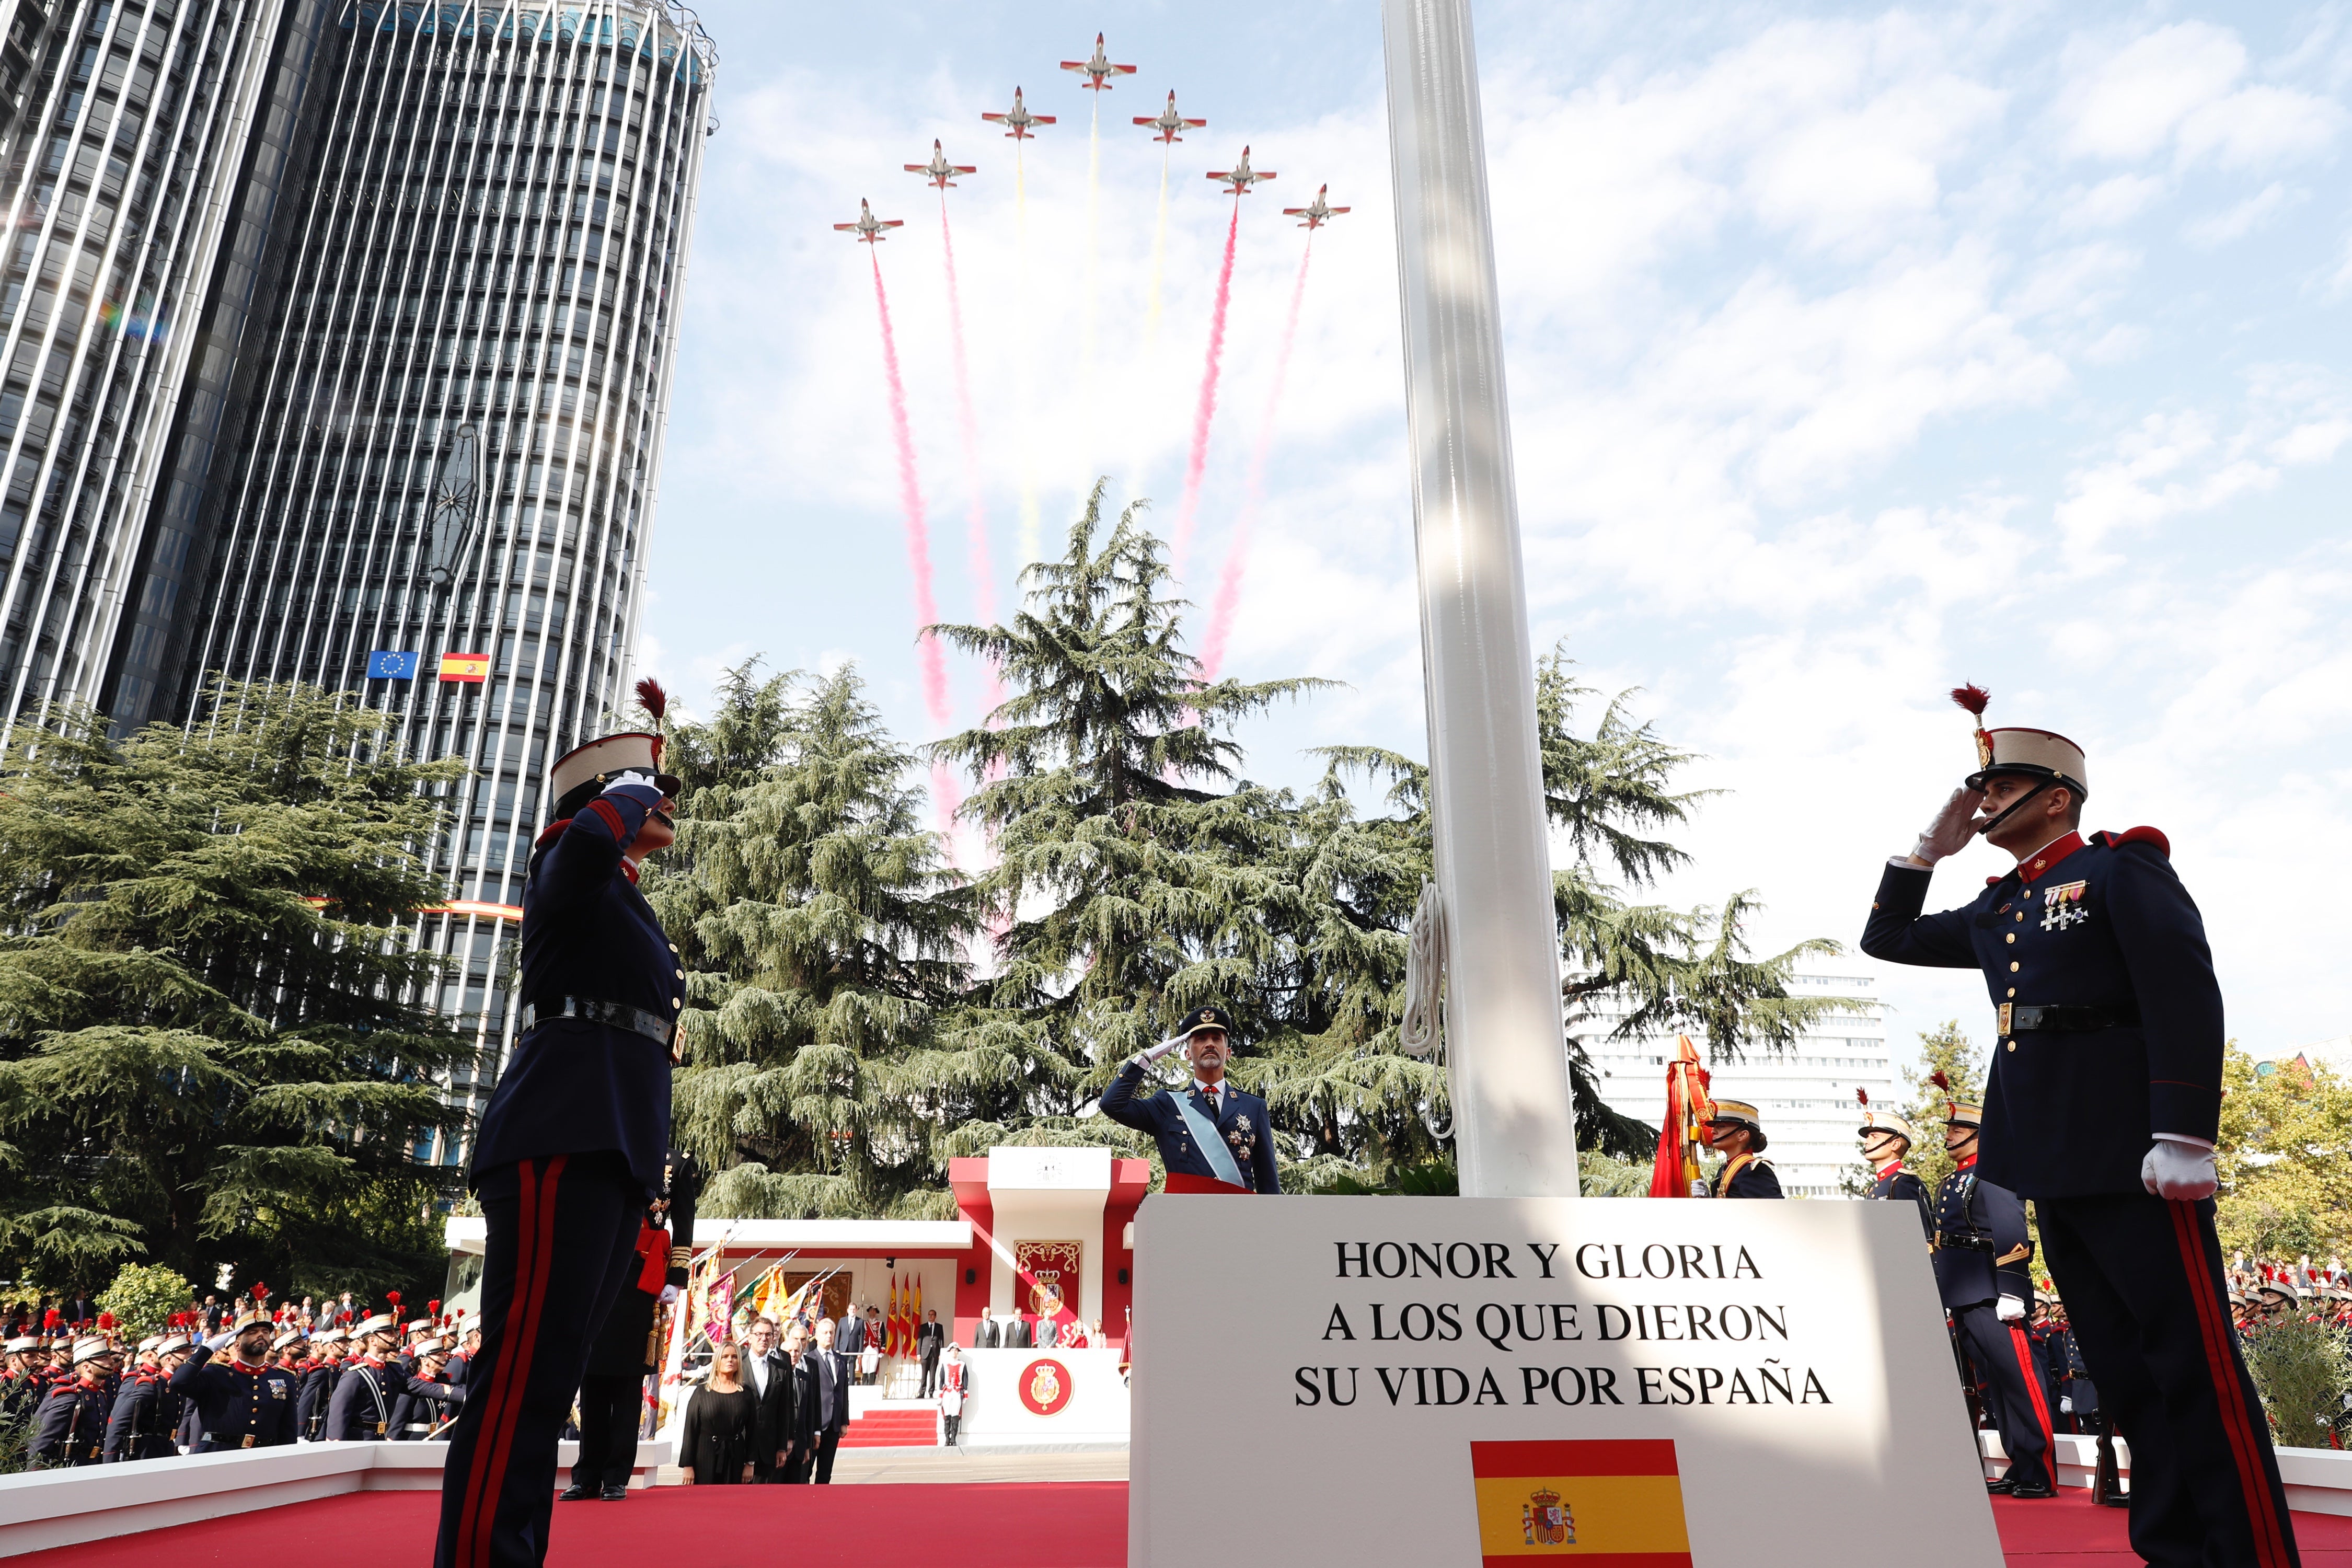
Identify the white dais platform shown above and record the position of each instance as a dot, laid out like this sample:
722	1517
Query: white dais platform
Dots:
63	1508
2318	1480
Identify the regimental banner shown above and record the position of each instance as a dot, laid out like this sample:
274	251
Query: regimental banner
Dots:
1462	1381
1048	1272
474	668
1620	1500
383	665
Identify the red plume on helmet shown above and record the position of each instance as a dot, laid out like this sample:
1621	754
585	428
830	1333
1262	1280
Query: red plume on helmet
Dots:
652	698
259	1291
393	1296
1940	1081
52	1318
1972	698
433	1308
1861	1094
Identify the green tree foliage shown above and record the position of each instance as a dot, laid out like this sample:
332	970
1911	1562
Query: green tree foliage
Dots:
208	1049
826	937
1944	1049
143	1298
2285	1157
2304	1374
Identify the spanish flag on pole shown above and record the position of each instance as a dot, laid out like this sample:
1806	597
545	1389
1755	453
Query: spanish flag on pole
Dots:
468	667
1606	1504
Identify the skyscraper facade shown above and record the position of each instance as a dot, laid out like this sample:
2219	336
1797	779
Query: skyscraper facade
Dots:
144	149
446	469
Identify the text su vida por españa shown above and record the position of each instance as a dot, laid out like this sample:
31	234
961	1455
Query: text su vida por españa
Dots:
1528	1331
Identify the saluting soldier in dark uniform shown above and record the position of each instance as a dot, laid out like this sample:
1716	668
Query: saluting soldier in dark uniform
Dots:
69	1429
146	1417
425	1401
569	1147
242	1402
317	1389
612	1392
2102	1106
1736	1132
1212	1138
1984	1272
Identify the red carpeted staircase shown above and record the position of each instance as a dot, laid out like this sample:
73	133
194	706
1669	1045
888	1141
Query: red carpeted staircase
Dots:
888	1426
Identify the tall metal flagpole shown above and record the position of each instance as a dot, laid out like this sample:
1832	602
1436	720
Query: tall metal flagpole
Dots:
1515	1130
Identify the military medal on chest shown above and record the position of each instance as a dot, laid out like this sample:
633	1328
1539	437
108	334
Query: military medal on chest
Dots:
2062	906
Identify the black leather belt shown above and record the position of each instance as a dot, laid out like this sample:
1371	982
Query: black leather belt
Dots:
1964	1243
2018	1019
620	1015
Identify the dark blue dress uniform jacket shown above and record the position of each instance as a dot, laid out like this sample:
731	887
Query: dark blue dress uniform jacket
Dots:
1248	1134
70	1426
1969	1208
1898	1183
146	1415
235	1402
574	1087
2101	923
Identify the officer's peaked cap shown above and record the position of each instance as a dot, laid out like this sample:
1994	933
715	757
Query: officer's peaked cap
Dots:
1741	1113
581	774
1887	1122
2038	753
1215	1015
381	1323
1961	1113
22	1343
172	1344
282	1340
90	1349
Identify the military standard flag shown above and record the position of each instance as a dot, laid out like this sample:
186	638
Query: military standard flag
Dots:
1617	1502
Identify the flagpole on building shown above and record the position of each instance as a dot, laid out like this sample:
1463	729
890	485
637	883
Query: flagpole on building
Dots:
1514	1128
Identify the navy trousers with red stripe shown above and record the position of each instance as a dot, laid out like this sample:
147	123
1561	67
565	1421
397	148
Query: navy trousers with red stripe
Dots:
562	1242
2004	1363
2142	1282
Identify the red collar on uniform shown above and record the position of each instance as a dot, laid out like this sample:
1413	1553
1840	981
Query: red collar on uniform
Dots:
241	1364
629	868
1894	1170
2049	854
1967	1163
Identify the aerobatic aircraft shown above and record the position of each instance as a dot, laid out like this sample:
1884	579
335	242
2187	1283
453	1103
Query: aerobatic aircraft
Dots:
1317	213
1098	69
939	170
1169	124
1019	117
869	228
1241	176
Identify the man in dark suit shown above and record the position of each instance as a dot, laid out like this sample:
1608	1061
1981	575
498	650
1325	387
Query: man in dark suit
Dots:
1018	1334
801	1419
768	1373
987	1334
829	1380
850	1338
1214	1138
930	1341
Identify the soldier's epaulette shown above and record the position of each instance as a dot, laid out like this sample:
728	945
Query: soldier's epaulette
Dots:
2135	836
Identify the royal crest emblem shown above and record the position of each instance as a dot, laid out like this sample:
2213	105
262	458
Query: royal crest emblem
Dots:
1544	1519
2062	906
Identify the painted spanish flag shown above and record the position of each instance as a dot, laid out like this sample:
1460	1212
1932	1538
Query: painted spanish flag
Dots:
465	666
1604	1504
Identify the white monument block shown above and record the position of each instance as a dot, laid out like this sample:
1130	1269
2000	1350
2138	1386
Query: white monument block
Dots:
1444	1382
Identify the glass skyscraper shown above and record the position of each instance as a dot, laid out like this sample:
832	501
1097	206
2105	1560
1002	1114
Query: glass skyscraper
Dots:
340	336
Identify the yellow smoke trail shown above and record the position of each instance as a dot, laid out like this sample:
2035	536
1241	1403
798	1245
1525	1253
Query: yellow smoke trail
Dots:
1094	262
1026	377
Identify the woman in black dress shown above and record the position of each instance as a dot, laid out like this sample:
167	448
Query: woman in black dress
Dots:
716	1447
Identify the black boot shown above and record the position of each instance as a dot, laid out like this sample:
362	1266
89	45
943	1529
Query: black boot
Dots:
575	1493
2000	1487
616	1492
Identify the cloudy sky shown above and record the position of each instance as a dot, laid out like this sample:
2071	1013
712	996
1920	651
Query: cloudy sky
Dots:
1853	352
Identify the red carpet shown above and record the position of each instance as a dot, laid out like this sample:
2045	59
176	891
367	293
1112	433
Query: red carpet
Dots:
1077	1524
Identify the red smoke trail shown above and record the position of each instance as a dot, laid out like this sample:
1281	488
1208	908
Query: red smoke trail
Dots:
918	549
1229	580
1207	409
976	527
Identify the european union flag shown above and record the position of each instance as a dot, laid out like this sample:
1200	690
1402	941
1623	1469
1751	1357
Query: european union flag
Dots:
384	665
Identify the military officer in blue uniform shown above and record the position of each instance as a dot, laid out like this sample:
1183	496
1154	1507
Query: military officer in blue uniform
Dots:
69	1429
429	1397
570	1145
360	1408
2102	1106
240	1402
1984	1273
1212	1138
1735	1132
146	1415
317	1388
1886	1141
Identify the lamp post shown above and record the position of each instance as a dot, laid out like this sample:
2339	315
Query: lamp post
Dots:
1515	1132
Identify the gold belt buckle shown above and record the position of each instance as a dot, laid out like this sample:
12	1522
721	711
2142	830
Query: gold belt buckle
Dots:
248	1443
2006	1008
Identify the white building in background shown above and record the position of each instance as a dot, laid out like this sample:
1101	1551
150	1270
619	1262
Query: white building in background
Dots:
1804	1096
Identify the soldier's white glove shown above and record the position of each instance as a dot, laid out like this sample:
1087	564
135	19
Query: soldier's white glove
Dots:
2065	1404
2009	1309
668	1294
2180	1169
1151	1054
1698	1186
226	1337
624	780
1952	829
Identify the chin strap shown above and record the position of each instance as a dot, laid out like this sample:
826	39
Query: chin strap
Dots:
2019	803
